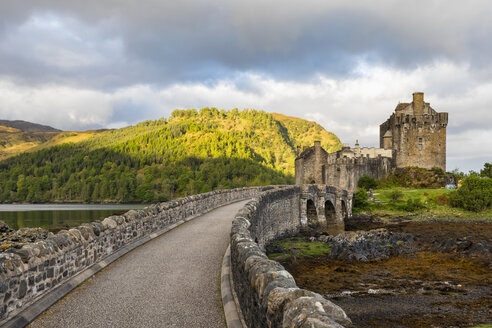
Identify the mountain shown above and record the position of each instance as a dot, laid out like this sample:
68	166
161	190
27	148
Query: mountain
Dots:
191	152
27	126
20	136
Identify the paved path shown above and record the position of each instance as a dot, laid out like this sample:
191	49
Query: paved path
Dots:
172	281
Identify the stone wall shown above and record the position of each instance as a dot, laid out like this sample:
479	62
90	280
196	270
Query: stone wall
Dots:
343	168
417	134
345	172
267	293
28	273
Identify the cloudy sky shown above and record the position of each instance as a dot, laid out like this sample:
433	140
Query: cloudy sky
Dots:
89	64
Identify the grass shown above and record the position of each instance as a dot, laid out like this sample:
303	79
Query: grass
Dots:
14	142
300	247
431	211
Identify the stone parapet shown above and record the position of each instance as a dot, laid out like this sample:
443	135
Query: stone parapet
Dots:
267	293
28	273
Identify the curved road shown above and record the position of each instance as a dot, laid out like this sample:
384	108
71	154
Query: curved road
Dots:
171	281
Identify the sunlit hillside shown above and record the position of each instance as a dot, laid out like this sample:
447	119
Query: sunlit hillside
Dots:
191	152
14	141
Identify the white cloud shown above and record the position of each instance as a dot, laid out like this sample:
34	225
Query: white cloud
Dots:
352	108
59	106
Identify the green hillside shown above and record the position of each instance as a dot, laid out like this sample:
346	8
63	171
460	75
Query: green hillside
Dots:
191	152
304	133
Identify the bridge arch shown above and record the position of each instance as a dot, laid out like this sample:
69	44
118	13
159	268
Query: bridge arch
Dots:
344	210
311	213
330	212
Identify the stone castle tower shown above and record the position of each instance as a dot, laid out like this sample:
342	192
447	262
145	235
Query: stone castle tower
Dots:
416	133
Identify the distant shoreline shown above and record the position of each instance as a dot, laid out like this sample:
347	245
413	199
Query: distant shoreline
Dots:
75	203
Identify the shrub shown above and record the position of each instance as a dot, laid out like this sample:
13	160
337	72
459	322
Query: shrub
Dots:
438	171
412	205
360	199
367	182
442	200
475	194
395	195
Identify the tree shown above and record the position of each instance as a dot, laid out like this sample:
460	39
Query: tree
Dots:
486	172
475	194
367	182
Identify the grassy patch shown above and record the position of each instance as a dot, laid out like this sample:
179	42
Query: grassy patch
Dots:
300	248
431	199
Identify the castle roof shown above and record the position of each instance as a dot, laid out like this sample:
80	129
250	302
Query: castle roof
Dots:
306	153
401	106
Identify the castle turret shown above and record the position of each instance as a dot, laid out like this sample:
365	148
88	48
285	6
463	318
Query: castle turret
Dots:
418	103
417	134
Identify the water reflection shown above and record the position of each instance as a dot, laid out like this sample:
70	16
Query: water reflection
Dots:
59	216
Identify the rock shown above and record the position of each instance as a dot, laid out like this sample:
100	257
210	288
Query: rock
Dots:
97	228
3	287
86	231
22	289
109	223
25	253
41	248
4	228
61	240
131	215
75	235
279	297
304	311
368	245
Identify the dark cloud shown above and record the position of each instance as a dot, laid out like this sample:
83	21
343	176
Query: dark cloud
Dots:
164	42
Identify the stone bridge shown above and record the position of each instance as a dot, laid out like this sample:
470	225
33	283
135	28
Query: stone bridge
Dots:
170	276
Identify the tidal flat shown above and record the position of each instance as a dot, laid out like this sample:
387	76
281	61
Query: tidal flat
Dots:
399	274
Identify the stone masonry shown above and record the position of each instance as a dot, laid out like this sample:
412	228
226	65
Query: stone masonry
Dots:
414	135
417	134
28	273
267	293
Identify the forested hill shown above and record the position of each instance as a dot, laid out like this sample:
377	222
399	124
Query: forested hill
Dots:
191	152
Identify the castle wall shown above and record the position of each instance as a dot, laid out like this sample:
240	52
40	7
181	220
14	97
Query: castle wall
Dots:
344	168
418	134
309	169
346	172
372	152
419	140
414	135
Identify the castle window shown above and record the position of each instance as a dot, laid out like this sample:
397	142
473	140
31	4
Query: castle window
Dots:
420	143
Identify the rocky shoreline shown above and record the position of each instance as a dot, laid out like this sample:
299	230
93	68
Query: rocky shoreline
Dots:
402	273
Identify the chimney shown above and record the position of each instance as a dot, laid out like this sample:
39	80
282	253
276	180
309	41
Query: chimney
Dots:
317	144
356	143
418	103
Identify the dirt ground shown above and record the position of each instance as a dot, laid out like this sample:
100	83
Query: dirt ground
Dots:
446	283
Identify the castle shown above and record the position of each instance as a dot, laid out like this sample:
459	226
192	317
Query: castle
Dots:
414	135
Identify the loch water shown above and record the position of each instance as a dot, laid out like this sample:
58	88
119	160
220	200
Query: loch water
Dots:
55	217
